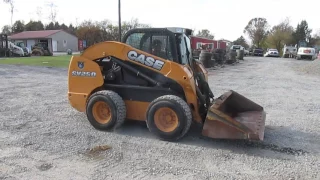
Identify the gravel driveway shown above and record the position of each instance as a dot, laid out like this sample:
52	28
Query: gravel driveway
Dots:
42	137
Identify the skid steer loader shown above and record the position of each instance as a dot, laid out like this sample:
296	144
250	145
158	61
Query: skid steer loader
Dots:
151	76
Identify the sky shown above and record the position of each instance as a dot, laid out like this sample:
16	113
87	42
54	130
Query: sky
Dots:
224	18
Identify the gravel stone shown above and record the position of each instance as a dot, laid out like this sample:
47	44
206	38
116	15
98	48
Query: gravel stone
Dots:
309	67
42	137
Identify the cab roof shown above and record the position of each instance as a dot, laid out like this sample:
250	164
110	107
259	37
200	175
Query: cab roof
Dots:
180	30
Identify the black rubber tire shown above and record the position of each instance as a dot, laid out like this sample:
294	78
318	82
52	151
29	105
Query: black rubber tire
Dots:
182	110
116	104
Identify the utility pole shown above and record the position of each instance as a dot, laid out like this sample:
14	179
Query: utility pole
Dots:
119	19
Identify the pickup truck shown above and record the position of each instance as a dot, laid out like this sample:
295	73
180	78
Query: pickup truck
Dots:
306	53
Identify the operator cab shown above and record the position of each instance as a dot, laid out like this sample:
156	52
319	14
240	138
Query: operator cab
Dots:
168	43
172	44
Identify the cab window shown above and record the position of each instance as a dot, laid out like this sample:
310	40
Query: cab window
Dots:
183	50
135	40
155	44
161	47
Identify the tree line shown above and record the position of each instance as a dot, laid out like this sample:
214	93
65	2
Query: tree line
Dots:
262	35
258	30
91	31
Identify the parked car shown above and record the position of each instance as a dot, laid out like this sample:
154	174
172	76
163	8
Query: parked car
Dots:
258	52
272	53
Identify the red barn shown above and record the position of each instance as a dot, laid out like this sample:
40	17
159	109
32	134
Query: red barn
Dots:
196	43
222	44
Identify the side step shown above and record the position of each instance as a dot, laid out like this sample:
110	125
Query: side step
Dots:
233	116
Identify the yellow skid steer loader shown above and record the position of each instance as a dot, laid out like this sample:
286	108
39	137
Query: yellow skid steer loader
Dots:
151	76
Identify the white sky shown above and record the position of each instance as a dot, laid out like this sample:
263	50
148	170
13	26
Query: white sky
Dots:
224	18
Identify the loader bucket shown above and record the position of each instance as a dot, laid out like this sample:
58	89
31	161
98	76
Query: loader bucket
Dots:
232	116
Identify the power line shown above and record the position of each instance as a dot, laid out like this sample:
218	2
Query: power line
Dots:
119	14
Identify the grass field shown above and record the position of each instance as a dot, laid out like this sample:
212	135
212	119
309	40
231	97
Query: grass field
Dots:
51	61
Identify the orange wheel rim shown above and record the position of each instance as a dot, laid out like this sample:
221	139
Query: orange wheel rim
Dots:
101	112
166	119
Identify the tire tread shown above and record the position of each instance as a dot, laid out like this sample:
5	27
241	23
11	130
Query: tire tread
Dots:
186	109
117	99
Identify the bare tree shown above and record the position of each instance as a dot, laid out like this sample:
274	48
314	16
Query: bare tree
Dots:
11	3
53	11
39	13
77	22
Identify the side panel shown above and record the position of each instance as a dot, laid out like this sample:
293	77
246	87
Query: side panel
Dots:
136	110
187	81
222	45
138	98
65	41
193	42
84	76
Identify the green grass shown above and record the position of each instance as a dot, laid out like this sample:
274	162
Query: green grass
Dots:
48	61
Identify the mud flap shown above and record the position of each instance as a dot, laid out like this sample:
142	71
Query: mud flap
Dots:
233	116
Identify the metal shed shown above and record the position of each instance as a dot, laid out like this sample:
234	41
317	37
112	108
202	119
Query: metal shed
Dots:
57	40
